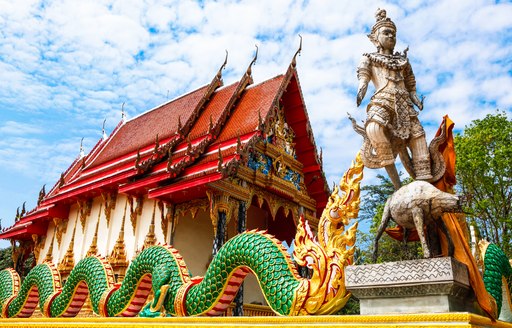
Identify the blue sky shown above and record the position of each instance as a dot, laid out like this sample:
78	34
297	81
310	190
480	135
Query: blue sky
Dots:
65	66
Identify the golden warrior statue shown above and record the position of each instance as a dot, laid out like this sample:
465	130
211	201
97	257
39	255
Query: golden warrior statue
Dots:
391	119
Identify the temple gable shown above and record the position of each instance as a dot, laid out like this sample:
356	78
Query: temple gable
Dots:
192	172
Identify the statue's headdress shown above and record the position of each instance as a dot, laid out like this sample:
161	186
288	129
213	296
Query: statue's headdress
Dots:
381	20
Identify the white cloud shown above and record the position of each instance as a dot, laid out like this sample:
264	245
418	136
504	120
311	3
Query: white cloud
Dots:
18	128
492	18
67	65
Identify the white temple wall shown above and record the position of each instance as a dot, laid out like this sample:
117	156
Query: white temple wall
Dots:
193	238
142	227
107	235
116	218
89	230
49	239
111	232
79	236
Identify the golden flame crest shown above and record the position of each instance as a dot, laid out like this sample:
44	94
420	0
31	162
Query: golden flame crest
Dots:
331	250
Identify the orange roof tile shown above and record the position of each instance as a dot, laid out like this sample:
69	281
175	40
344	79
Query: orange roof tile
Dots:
214	109
142	130
256	99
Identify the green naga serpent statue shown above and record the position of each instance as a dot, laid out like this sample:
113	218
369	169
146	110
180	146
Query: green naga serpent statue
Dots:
497	278
162	269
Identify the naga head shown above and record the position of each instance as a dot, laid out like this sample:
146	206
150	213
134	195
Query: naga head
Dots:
327	254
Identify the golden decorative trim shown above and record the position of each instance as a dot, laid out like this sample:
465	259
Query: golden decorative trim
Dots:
109	199
61	227
179	302
332	249
102	308
193	206
392	320
235	187
159	304
300	296
135	211
238	188
281	131
264	181
220	202
38	245
84	208
274	152
86	310
47	303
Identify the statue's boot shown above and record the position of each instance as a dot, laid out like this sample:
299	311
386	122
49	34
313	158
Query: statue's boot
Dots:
380	142
421	158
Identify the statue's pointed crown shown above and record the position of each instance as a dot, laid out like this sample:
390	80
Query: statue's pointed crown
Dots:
381	20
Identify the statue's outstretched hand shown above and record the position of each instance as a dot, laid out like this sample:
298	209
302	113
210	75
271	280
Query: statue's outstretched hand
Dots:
416	100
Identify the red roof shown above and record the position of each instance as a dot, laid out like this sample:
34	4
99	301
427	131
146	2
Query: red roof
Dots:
256	99
213	111
142	130
192	129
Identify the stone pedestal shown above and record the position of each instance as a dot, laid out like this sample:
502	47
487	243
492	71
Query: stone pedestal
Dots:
418	286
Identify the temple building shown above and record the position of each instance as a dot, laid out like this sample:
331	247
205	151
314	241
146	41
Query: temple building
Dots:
192	172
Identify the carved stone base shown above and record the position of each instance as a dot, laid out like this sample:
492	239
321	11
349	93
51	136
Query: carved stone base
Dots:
418	286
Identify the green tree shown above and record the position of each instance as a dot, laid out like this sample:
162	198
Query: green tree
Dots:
24	265
6	258
484	176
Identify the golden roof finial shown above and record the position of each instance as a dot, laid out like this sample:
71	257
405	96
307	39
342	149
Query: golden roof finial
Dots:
297	53
82	152
123	114
150	237
23	209
42	194
103	133
249	69
93	249
223	66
